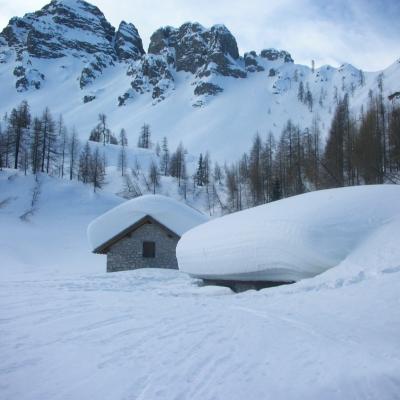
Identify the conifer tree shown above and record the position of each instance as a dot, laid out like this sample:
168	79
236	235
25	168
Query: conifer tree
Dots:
2	149
123	139
73	150
18	127
369	147
333	161
36	149
158	149
361	78
48	140
164	157
276	190
217	174
122	158
85	164
7	143
154	176
103	130
177	165
255	172
394	139
200	171
308	98
63	142
300	93
144	137
97	169
206	169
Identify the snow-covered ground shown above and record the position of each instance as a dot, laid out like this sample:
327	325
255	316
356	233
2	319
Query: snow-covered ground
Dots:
70	331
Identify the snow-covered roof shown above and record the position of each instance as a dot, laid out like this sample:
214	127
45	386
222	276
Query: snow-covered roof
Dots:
174	215
291	239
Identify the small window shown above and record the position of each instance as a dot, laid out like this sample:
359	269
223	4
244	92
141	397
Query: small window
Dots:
149	249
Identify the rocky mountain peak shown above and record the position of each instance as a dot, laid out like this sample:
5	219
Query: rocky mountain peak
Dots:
79	30
274	55
64	28
204	52
194	47
60	27
128	44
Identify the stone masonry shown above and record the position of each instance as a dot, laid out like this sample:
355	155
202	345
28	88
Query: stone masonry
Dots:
127	253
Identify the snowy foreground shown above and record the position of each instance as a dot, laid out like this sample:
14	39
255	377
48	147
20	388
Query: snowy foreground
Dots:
70	331
156	335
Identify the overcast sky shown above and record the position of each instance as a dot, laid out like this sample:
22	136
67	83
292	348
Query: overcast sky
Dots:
363	33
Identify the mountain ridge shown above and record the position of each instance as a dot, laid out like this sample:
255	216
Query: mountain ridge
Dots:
191	85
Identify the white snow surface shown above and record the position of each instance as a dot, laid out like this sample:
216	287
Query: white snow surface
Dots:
68	330
175	215
290	239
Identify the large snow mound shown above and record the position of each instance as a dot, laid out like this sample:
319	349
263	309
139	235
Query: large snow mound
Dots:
291	239
175	215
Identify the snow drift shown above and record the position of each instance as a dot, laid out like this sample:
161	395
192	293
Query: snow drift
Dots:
291	239
176	216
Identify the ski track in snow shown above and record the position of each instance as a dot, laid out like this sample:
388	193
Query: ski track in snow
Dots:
158	335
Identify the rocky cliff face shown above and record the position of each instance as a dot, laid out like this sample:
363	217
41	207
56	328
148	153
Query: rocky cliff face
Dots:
128	44
205	53
151	74
78	30
193	48
65	28
61	28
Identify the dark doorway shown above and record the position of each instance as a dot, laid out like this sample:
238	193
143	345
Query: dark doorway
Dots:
149	249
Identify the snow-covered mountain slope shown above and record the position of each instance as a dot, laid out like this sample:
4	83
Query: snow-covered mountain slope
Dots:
291	239
192	85
138	161
71	331
52	232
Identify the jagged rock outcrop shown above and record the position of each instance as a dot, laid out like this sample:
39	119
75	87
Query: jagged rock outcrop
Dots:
274	54
88	98
75	29
27	78
60	28
151	74
203	52
251	63
207	88
164	42
69	28
193	48
128	44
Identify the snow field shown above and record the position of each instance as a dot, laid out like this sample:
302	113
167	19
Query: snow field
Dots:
71	331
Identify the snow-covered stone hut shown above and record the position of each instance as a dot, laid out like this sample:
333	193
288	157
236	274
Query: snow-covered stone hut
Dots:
143	232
